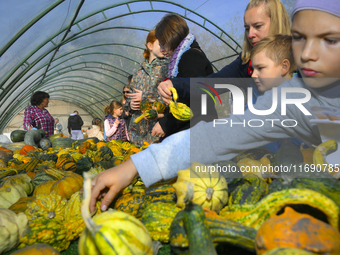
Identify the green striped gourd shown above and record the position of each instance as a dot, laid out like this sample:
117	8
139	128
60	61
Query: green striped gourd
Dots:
111	232
253	215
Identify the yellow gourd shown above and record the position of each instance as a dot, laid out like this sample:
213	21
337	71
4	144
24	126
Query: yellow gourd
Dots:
180	111
174	93
321	152
210	188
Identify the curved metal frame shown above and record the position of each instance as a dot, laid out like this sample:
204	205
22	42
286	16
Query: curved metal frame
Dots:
47	78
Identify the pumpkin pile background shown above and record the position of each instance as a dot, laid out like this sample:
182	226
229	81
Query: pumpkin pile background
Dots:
44	182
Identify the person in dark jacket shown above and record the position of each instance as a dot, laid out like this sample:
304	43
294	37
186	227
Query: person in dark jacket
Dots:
186	60
75	123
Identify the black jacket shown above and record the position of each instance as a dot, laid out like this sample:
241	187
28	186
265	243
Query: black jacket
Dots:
193	63
234	70
74	122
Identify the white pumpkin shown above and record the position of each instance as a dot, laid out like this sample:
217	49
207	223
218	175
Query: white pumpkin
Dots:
10	194
12	226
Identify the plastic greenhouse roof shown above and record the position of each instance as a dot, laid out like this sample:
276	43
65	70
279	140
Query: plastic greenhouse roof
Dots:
83	51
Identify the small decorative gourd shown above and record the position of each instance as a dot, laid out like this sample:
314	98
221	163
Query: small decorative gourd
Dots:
321	152
12	226
160	107
22	180
145	105
180	111
195	224
149	114
111	232
37	249
47	206
157	218
21	204
210	188
42	230
68	182
297	230
10	194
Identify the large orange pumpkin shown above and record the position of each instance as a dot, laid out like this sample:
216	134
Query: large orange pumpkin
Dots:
297	230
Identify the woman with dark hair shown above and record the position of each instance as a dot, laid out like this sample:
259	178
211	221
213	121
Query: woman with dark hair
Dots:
186	60
36	115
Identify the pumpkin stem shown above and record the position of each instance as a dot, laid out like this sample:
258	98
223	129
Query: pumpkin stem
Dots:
51	215
85	210
210	192
189	192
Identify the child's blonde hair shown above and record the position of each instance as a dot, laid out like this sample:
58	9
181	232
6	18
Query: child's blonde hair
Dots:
98	122
114	105
277	48
279	22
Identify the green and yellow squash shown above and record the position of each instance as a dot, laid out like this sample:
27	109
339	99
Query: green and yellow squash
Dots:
253	215
180	111
149	114
136	202
111	232
157	218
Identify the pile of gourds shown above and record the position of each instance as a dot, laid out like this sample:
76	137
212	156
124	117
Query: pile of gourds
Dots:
198	212
41	189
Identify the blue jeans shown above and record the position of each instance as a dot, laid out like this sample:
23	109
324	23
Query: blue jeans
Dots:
77	134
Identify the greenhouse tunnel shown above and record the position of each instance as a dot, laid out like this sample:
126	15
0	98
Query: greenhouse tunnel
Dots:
82	52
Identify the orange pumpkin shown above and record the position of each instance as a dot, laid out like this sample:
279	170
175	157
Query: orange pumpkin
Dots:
37	249
297	230
68	185
26	149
